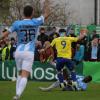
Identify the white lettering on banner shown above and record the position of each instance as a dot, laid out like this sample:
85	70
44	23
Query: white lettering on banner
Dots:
39	70
31	74
39	73
48	73
56	76
7	71
14	74
8	76
3	76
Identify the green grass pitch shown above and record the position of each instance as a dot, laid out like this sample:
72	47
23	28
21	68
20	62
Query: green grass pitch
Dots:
7	91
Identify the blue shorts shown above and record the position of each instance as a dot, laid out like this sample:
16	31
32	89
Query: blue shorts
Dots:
61	62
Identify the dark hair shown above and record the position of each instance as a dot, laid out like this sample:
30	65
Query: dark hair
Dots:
4	30
54	27
95	36
28	11
87	79
42	28
62	30
12	39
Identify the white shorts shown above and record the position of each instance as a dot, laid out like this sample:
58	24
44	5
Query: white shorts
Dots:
24	60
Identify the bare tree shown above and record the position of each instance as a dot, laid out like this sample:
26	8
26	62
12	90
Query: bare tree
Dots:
57	12
16	9
4	9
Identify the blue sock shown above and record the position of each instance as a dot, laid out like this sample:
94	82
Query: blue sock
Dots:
60	77
73	76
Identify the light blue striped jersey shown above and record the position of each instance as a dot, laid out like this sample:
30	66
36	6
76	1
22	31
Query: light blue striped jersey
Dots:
26	30
81	84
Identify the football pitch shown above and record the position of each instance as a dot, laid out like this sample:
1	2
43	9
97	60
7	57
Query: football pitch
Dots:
7	91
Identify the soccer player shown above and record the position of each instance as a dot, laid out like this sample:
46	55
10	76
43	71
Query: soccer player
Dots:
81	81
64	53
26	30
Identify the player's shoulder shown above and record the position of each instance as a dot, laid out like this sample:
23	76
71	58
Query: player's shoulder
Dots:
60	38
71	37
23	22
16	22
55	39
19	22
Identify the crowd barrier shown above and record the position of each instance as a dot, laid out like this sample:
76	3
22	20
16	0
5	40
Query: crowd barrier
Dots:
47	72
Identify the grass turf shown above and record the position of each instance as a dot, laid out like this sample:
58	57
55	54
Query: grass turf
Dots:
7	91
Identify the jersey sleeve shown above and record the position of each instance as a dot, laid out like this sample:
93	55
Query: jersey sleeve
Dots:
13	28
53	43
73	39
39	20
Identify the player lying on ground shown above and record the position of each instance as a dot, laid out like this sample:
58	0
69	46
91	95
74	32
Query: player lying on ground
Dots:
82	82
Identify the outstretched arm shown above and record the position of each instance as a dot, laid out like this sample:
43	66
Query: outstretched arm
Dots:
45	8
81	36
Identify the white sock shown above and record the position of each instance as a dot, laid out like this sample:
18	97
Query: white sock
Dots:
22	85
17	82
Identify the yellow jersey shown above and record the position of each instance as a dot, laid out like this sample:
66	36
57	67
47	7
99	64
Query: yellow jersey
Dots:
63	46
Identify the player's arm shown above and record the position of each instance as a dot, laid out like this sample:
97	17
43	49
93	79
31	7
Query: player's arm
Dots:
48	45
45	8
40	20
5	34
81	36
75	39
45	47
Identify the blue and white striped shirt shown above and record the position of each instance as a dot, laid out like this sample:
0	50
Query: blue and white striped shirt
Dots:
26	30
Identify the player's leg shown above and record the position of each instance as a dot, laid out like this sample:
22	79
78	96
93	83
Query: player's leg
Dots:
66	74
23	82
59	67
18	61
71	68
26	69
18	80
52	86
